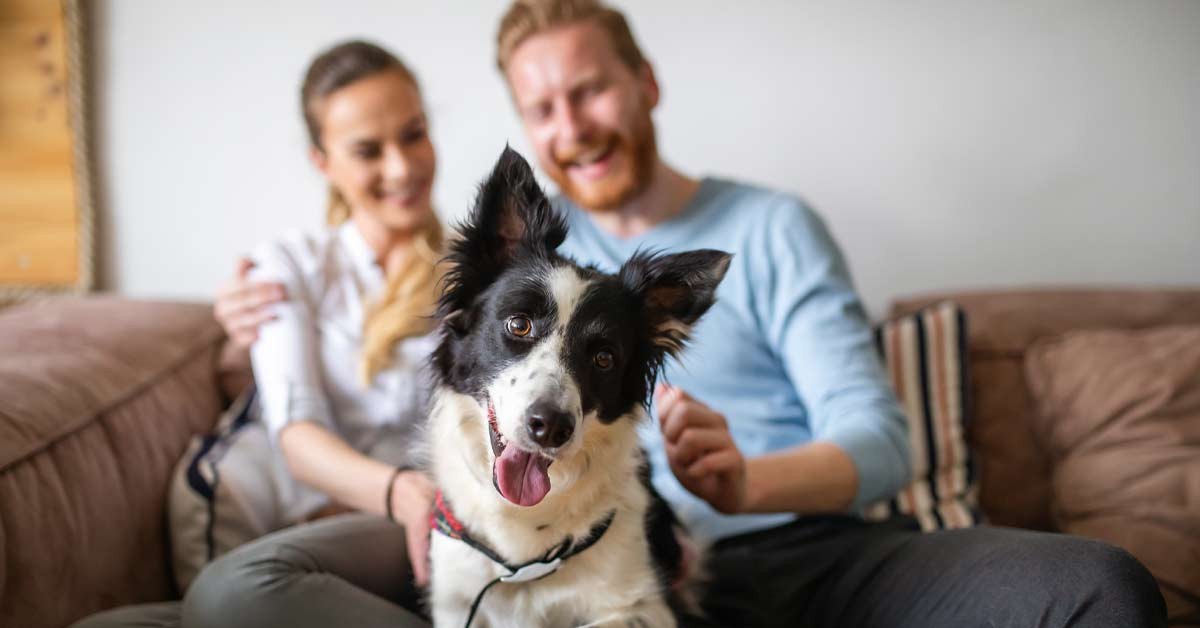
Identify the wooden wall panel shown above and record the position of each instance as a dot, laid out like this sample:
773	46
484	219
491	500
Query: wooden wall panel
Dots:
40	209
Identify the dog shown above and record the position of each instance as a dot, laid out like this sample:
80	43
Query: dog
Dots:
544	371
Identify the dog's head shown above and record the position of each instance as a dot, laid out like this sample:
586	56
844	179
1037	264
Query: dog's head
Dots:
556	354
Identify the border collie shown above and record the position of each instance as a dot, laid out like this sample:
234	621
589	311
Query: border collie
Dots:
544	372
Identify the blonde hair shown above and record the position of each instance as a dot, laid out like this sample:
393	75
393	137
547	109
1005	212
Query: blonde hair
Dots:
405	307
526	18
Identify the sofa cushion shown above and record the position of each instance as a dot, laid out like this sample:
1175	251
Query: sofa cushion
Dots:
1014	471
925	355
1119	414
98	397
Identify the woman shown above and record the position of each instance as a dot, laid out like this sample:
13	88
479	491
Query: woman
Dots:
338	372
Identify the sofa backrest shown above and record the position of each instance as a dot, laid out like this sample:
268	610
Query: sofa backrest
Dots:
1015	472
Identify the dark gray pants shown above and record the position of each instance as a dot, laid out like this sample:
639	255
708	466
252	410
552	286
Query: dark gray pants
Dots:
839	572
835	572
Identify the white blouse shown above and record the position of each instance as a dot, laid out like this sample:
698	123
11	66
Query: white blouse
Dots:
306	362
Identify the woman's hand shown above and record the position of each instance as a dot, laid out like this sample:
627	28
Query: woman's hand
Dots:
701	450
323	460
242	305
412	503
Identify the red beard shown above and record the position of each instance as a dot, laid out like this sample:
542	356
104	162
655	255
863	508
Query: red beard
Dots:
636	154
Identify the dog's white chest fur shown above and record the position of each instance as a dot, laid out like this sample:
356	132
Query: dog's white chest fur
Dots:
612	583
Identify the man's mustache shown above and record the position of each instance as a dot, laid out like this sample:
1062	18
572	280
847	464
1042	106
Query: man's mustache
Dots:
571	153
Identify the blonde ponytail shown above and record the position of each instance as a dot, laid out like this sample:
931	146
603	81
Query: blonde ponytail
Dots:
338	210
405	309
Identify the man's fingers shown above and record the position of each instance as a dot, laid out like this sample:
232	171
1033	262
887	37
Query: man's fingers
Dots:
684	414
720	461
260	316
244	264
672	421
694	443
699	439
250	319
260	294
239	282
243	329
244	339
235	300
663	402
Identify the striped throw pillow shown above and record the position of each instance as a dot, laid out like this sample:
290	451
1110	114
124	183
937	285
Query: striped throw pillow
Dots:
926	359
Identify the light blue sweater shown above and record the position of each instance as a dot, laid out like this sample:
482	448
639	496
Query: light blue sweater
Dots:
786	354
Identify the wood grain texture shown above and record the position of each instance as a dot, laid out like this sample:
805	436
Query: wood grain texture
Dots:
39	204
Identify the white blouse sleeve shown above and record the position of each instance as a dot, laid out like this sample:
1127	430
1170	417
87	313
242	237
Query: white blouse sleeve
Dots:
286	356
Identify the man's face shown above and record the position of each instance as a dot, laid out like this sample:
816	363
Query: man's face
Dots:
586	113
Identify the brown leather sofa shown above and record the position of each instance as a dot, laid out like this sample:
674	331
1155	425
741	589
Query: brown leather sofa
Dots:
99	396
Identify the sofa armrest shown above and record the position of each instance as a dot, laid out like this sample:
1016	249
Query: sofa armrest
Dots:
98	398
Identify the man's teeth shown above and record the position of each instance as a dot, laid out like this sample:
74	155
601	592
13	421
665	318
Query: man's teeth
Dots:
591	156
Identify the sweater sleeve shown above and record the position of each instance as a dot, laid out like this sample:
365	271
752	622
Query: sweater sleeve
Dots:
813	317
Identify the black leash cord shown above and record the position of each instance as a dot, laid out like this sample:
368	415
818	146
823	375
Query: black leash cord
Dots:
552	558
478	600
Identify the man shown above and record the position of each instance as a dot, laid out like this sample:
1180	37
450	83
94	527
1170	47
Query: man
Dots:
778	425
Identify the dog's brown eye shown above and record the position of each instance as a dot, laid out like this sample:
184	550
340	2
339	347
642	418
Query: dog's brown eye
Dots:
603	360
519	326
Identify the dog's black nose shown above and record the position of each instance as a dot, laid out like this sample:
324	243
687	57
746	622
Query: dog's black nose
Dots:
549	426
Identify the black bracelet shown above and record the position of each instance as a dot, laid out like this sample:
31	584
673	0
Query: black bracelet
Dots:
387	504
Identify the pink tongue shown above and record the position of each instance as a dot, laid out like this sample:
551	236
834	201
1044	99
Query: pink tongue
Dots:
522	476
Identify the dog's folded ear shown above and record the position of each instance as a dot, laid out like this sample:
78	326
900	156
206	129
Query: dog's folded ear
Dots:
676	290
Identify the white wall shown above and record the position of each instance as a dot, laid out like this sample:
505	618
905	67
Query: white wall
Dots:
949	144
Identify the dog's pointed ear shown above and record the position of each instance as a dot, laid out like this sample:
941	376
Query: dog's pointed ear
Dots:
511	214
512	211
676	290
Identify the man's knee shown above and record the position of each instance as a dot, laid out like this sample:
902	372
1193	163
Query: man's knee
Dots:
237	587
1112	587
1125	578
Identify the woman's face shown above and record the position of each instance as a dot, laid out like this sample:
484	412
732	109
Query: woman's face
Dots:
377	153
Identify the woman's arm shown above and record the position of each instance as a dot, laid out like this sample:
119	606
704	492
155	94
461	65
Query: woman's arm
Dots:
322	460
299	416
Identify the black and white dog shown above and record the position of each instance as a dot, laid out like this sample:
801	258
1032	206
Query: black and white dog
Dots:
544	370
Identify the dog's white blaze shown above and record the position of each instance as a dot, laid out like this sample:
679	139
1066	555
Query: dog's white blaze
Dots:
566	288
542	375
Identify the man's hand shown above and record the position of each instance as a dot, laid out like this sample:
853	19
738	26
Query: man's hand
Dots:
242	306
412	503
701	450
